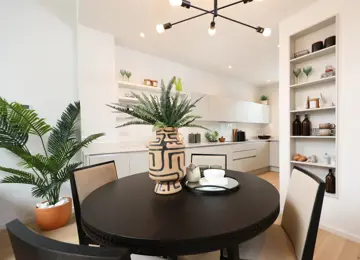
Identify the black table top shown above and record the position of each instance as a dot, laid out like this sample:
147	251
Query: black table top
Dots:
128	213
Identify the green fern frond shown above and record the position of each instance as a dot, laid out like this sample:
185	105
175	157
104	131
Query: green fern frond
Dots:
168	110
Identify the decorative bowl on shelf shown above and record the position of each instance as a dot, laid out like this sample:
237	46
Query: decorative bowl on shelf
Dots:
264	137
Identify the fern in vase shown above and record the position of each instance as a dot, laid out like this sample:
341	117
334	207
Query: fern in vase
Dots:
48	171
167	111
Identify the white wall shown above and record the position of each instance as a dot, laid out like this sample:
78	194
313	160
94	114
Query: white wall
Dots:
38	68
194	80
341	215
97	82
272	92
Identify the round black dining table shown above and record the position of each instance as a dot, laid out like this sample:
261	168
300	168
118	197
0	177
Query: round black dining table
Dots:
128	213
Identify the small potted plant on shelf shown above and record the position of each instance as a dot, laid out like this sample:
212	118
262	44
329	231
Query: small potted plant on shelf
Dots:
264	100
167	114
47	171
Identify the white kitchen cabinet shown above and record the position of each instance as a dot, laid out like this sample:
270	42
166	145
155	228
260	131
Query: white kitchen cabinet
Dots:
202	107
262	154
139	162
274	154
222	109
249	156
265	114
121	162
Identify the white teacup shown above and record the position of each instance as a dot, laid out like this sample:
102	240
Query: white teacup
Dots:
326	132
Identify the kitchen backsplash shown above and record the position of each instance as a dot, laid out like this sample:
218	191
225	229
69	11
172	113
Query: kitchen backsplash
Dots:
140	135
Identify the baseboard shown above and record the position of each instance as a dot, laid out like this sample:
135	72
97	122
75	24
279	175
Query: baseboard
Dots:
274	169
260	171
341	233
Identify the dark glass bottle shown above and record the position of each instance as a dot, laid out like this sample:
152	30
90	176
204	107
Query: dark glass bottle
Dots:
330	182
296	126
306	126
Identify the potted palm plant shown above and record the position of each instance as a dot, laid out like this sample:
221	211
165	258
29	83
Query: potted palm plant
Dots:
167	114
48	171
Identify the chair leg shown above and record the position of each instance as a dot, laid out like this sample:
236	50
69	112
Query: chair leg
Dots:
233	253
172	258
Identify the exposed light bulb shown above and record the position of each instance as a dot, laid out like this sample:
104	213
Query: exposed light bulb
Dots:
267	32
160	28
175	2
212	29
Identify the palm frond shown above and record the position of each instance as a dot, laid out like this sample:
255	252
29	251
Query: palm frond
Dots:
134	122
64	129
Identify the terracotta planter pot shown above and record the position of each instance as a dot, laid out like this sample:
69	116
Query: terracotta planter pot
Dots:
53	218
167	161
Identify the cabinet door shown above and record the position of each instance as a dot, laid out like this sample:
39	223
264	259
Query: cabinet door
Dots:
121	162
242	111
262	155
202	107
265	114
139	162
274	154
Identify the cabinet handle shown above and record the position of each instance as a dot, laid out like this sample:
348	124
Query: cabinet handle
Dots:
244	151
238	159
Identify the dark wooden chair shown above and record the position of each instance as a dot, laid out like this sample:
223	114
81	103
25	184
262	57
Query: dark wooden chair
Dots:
84	181
28	245
199	159
295	238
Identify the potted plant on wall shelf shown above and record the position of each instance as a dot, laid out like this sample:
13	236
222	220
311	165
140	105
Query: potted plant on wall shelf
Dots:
264	100
167	114
48	171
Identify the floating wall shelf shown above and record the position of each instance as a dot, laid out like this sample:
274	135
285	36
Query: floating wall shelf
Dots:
314	55
315	82
141	87
315	164
313	137
312	109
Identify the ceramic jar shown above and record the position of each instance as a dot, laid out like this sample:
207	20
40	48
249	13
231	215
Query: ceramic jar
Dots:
167	161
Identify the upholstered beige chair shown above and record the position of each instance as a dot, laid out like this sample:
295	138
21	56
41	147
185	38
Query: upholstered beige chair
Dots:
84	181
295	238
207	256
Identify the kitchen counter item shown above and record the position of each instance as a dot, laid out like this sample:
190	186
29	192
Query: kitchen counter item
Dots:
222	139
240	136
197	138
264	137
191	138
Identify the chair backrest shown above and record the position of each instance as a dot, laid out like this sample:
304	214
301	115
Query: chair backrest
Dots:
84	181
28	245
209	159
302	211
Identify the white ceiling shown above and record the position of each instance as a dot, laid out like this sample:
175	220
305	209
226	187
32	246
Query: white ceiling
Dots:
253	58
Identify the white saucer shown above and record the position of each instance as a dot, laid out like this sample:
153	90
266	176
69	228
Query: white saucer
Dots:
214	181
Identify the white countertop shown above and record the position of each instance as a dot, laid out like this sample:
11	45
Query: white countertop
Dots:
110	148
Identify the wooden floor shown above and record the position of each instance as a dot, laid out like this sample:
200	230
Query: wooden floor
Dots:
328	246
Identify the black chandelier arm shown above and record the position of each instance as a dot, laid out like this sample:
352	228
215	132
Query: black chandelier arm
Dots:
206	11
188	19
235	21
224	17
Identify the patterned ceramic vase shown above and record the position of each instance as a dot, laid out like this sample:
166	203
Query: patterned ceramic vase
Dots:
167	161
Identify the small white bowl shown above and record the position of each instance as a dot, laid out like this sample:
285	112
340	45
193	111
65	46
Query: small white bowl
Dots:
213	174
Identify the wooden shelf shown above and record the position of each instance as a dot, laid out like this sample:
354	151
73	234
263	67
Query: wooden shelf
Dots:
144	88
312	109
329	166
313	137
315	82
314	55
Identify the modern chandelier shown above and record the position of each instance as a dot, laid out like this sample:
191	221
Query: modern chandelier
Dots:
187	4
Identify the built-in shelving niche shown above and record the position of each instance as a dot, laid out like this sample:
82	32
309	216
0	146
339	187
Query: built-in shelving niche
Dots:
312	87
